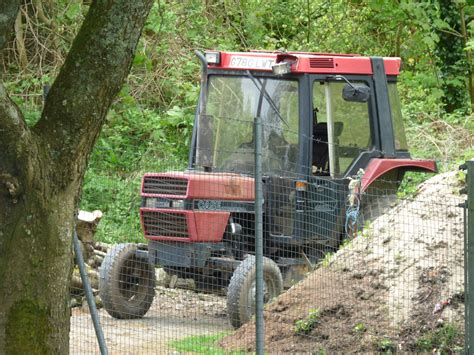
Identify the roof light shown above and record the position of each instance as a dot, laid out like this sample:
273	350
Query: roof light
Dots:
281	68
213	57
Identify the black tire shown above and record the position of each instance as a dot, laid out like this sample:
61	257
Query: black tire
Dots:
127	282
241	291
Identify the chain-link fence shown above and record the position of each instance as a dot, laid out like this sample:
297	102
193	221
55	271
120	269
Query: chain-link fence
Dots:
346	266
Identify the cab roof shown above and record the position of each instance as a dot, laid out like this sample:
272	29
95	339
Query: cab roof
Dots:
303	62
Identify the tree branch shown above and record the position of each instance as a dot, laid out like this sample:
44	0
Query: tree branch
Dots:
8	12
20	42
93	73
12	125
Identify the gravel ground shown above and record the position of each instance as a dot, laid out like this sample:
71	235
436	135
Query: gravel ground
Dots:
175	314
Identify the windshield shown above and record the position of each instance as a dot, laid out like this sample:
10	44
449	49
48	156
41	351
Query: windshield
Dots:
225	132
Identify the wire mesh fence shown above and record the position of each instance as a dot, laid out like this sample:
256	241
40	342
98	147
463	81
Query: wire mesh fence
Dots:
347	267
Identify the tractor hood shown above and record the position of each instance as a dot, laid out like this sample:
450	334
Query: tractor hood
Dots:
198	185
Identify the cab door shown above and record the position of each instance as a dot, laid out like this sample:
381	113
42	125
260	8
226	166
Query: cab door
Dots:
341	132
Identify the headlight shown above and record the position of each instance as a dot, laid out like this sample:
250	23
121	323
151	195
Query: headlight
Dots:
281	68
157	203
177	204
150	202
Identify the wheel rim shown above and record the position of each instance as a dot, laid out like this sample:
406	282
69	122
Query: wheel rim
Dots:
133	279
269	292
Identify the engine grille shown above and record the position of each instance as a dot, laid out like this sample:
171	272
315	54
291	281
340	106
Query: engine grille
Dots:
321	62
165	224
164	185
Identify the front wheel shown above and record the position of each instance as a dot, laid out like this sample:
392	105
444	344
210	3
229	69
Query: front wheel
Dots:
241	294
127	282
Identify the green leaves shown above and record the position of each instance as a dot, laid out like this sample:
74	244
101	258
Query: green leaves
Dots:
73	11
306	325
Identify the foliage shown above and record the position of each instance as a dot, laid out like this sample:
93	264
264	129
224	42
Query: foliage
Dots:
306	325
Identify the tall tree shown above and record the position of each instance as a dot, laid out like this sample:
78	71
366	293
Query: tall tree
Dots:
42	168
450	50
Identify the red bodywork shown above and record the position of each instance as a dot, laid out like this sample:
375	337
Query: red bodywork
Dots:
378	167
316	63
202	226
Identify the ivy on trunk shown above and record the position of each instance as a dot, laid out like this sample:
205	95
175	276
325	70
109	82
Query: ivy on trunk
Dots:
42	168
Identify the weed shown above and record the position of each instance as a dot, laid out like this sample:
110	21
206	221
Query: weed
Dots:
346	243
444	339
306	325
327	259
385	344
398	258
410	183
360	328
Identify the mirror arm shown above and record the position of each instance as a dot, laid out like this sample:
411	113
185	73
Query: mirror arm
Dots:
339	77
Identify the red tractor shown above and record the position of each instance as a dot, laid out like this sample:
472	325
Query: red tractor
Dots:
325	117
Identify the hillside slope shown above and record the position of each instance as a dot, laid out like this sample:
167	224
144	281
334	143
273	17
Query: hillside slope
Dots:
398	286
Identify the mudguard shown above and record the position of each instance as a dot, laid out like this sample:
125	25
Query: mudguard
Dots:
378	167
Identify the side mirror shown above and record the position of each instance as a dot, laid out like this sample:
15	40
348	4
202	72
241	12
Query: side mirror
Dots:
356	93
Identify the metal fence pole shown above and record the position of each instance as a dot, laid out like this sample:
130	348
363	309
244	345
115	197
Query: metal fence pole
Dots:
469	262
259	322
89	295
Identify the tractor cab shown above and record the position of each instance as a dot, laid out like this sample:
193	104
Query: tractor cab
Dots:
323	115
325	118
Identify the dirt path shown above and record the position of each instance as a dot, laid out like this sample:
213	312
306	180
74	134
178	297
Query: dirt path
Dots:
175	314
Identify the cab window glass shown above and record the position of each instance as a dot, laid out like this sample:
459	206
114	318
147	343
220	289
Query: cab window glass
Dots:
351	129
397	119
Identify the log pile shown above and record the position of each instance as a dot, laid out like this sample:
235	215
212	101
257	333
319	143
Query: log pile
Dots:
93	253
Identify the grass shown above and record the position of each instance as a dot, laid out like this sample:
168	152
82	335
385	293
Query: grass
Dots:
410	183
202	344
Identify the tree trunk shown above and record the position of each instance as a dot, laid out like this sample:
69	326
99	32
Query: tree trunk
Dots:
35	267
41	171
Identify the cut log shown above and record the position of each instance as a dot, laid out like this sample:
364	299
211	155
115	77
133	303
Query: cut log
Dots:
104	247
86	225
95	261
99	253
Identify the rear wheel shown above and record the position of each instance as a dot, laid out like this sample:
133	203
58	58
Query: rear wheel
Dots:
127	282
241	293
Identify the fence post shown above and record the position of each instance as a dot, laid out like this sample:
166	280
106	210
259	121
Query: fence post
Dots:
89	296
469	262
259	322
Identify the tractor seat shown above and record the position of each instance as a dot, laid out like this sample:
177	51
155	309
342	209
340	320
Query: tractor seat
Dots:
320	146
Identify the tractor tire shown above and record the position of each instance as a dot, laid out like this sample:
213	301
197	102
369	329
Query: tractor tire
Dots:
126	283
242	288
